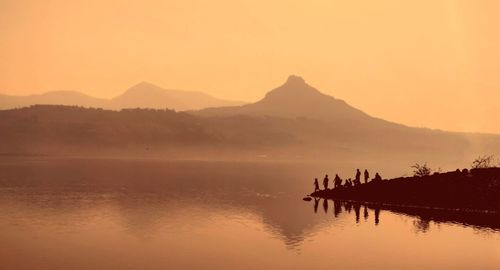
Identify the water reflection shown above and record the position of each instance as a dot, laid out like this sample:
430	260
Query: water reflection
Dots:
478	220
357	208
337	208
154	215
316	204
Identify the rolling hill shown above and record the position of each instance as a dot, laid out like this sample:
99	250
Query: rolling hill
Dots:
147	95
142	95
70	98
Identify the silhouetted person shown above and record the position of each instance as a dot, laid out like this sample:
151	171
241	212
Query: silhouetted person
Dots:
365	213
358	176
377	214
316	185
325	205
377	177
337	181
316	204
367	176
325	182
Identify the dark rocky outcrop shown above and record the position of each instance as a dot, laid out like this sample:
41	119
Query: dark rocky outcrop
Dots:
478	189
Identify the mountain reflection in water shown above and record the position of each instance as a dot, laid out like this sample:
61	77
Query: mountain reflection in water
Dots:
143	214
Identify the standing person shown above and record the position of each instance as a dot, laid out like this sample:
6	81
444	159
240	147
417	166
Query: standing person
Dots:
358	177
367	176
337	181
325	182
316	185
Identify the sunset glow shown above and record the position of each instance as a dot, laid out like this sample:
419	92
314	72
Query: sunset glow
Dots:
420	63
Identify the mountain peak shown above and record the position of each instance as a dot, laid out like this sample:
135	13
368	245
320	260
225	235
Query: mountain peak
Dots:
143	85
294	79
295	87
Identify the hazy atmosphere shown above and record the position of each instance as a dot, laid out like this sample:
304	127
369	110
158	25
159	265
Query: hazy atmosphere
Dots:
232	134
390	59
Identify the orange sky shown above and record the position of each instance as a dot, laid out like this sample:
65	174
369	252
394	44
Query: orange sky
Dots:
422	63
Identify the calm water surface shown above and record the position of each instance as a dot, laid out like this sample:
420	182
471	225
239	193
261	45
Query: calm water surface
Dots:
145	214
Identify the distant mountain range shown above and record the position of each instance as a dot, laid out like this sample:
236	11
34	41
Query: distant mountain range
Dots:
293	121
142	95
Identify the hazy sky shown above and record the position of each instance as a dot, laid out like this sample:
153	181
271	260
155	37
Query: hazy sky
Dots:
423	63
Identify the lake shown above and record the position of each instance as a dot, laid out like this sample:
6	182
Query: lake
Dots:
77	213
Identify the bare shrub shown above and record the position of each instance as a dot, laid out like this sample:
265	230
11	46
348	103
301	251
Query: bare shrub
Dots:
421	170
483	162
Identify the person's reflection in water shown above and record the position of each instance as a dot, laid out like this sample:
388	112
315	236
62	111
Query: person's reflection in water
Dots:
422	225
377	214
316	205
348	207
337	208
365	213
357	208
325	205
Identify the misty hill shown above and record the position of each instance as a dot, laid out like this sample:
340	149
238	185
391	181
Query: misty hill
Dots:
165	133
54	98
142	95
147	95
296	99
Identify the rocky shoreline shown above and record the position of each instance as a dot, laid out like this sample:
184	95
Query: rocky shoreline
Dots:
477	189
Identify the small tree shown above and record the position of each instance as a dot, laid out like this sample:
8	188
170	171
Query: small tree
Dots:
421	170
483	162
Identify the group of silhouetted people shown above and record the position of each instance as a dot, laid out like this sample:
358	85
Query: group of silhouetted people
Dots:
337	181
